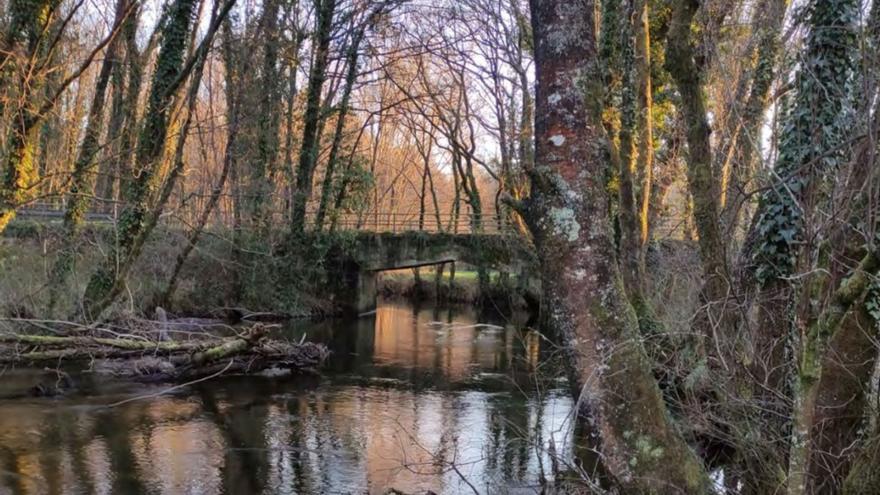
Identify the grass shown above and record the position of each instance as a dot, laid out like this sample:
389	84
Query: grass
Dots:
429	273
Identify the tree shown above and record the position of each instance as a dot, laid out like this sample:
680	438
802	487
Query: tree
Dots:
308	155
139	217
82	184
567	213
25	58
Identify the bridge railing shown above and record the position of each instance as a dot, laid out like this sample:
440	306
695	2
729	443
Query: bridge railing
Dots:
406	222
464	223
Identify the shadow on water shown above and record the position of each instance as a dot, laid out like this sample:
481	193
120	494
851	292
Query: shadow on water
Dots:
414	398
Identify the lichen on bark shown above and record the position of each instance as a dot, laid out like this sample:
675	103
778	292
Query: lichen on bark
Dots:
567	213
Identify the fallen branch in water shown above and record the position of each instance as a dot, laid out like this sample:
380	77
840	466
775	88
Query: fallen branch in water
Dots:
171	389
167	360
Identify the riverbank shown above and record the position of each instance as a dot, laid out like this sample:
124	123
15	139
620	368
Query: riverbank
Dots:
217	280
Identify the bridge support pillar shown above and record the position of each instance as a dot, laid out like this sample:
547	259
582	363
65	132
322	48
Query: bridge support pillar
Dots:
367	292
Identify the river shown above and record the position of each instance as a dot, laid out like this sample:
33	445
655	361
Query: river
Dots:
413	398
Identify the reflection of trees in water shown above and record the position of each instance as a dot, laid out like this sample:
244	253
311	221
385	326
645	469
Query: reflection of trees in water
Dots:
509	440
245	463
66	438
116	430
49	455
74	441
299	456
13	478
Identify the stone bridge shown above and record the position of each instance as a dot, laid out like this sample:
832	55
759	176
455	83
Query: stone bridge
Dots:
366	255
358	251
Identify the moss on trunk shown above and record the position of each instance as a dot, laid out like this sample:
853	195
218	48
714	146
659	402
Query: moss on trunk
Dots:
587	307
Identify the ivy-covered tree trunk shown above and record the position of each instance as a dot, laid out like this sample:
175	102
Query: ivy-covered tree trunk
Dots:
264	167
21	53
83	181
106	283
567	212
809	150
308	155
350	79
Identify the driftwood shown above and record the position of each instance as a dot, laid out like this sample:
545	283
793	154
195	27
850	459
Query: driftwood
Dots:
151	360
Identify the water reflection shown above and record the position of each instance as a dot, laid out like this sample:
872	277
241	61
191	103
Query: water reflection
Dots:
413	399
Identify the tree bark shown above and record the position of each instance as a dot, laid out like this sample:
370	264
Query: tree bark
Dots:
567	213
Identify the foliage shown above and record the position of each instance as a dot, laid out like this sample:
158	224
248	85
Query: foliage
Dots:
358	183
872	301
813	136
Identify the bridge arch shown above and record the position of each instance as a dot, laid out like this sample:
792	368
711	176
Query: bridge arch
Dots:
373	253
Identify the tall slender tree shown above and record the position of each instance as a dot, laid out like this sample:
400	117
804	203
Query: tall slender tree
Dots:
308	155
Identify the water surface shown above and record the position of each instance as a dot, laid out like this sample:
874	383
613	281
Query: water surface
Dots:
414	399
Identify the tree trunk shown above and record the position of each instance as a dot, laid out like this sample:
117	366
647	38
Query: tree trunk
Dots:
839	402
138	218
810	146
350	79
82	182
702	181
308	155
567	213
264	166
25	31
232	106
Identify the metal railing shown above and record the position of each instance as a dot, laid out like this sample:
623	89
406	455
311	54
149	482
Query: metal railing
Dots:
408	222
380	222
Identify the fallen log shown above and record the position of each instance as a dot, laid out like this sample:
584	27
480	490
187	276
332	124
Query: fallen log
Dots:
117	343
166	360
231	347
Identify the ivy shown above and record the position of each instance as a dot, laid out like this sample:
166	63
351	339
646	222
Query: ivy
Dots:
815	126
872	301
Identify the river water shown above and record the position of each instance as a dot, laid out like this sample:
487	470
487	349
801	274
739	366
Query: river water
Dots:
416	399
